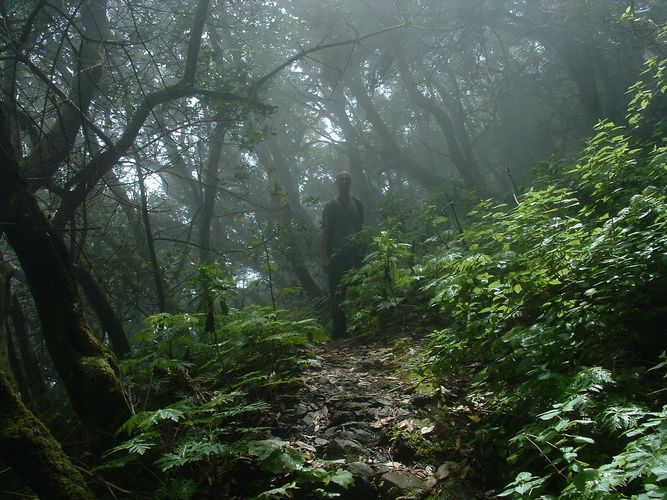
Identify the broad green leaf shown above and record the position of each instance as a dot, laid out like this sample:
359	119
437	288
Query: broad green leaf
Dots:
343	478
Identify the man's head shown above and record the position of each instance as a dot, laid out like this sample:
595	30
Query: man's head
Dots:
344	181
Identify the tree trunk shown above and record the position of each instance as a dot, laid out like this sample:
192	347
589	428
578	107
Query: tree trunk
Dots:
150	243
25	444
105	313
286	224
35	381
466	168
17	370
32	452
87	368
392	151
451	95
580	62
210	190
5	365
9	361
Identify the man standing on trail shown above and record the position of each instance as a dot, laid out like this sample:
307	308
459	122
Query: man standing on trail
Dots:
341	219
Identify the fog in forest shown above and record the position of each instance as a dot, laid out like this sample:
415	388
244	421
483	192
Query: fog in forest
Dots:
236	135
165	163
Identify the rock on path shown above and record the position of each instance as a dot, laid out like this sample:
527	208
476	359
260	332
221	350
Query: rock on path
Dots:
359	405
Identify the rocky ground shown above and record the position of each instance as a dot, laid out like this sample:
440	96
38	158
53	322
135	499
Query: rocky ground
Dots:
400	436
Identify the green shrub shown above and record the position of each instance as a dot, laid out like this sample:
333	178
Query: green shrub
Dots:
379	293
203	400
561	304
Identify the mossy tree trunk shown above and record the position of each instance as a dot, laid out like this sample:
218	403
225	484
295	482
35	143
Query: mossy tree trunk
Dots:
33	453
25	444
5	364
87	368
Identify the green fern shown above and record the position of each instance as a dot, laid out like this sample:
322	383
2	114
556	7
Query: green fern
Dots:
194	451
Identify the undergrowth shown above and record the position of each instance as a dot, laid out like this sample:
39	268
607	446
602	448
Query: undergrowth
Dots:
204	403
558	306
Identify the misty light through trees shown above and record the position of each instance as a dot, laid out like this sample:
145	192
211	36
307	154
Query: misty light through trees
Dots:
165	166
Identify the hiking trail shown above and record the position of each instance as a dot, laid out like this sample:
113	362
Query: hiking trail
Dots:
399	436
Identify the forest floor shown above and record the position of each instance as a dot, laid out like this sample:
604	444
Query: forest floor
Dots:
399	435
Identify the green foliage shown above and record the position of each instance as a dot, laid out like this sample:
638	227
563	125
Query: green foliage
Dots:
523	485
643	461
613	170
560	303
210	287
290	466
188	432
555	305
243	340
647	106
260	337
380	289
640	466
204	399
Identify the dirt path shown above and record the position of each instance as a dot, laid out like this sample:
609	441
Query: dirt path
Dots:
361	404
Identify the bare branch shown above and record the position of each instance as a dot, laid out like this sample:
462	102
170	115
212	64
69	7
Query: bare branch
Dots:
303	53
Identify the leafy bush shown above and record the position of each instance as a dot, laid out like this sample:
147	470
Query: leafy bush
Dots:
378	293
290	467
204	400
559	303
